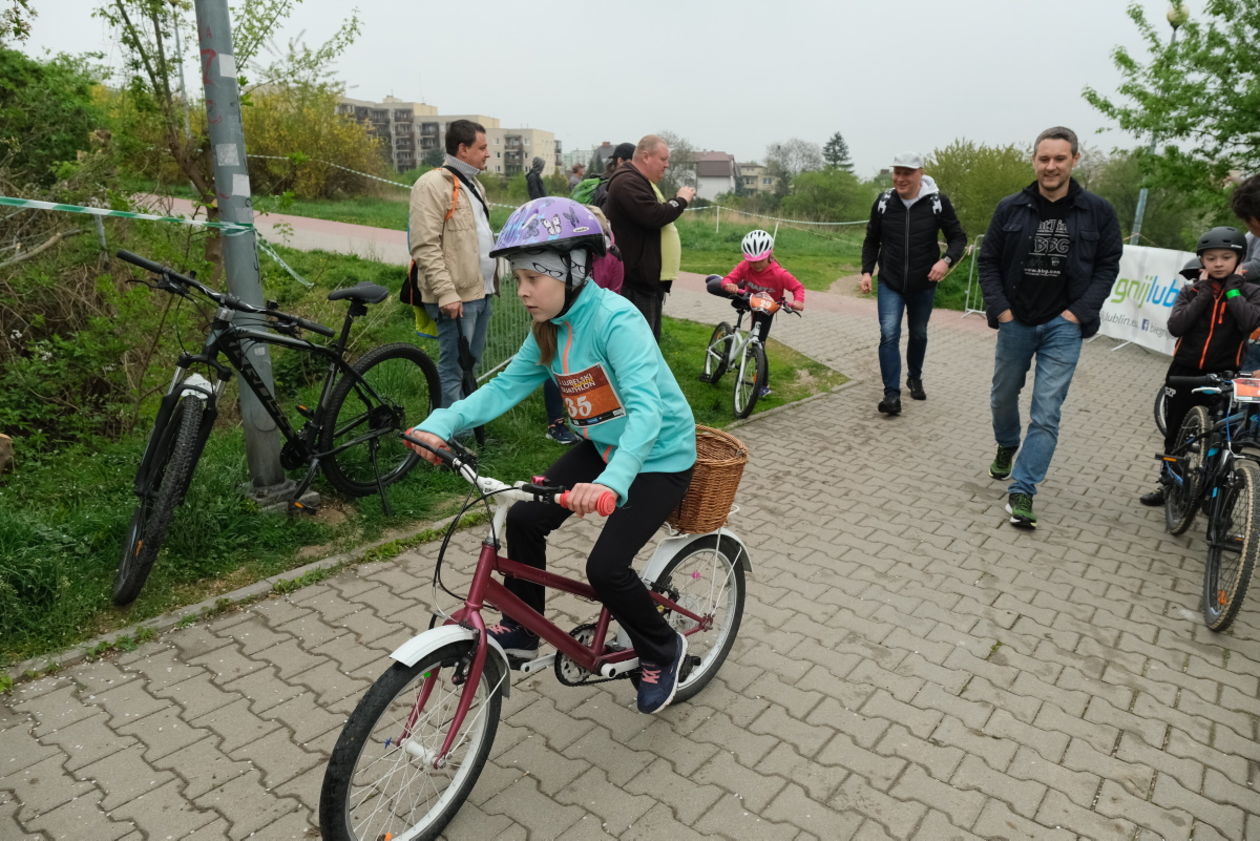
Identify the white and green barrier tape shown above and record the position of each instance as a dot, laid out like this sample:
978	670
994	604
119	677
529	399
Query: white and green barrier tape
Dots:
228	228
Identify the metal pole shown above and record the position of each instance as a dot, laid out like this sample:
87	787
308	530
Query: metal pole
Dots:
240	255
1175	19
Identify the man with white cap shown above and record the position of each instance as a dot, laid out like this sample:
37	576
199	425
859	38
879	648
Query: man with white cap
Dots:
901	238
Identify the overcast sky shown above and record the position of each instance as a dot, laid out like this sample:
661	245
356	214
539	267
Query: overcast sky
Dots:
733	75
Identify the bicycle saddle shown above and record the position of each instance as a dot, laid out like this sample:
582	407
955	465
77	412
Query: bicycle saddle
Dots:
368	293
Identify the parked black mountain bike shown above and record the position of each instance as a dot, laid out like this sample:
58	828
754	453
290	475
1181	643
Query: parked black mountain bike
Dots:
353	433
1215	468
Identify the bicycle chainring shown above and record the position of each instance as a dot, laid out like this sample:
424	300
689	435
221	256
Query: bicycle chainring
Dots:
570	673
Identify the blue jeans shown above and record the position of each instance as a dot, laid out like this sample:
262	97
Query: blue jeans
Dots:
553	401
1057	346
473	325
891	304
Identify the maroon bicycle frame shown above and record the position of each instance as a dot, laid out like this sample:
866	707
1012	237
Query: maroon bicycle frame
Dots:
484	589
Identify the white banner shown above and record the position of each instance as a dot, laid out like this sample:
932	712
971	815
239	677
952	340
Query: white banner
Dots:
1142	297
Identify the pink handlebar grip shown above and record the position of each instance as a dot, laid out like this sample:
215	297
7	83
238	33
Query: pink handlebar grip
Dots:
606	505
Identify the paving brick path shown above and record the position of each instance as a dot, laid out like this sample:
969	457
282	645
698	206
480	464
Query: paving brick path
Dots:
910	666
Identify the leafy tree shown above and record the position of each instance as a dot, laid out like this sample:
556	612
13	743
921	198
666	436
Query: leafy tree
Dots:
299	123
836	153
1169	220
682	163
790	158
433	157
147	29
976	177
1197	94
15	21
828	195
46	114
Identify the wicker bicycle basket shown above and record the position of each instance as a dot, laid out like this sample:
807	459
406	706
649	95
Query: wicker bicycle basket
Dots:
720	460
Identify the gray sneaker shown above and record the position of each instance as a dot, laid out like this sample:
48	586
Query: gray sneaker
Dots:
1001	466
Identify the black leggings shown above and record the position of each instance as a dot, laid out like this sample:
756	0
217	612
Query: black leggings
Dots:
652	497
1180	401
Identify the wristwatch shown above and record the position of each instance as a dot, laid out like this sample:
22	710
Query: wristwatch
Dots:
949	261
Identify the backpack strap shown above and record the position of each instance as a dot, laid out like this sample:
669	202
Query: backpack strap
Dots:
471	189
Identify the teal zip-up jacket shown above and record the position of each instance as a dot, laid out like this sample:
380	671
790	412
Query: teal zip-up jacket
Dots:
619	392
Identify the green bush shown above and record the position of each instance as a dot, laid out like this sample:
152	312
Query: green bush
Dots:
46	114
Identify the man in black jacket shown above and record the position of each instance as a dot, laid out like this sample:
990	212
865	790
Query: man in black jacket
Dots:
1047	265
901	238
533	179
643	224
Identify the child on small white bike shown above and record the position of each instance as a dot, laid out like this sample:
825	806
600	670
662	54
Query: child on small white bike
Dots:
759	274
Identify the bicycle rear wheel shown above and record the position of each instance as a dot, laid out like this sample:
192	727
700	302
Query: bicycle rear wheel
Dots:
717	353
380	781
1185	478
362	427
1232	545
751	376
706	578
178	446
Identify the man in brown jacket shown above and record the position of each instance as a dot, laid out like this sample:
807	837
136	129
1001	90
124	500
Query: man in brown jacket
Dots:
643	224
450	240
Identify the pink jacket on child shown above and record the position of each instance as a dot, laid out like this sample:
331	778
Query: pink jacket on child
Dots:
773	280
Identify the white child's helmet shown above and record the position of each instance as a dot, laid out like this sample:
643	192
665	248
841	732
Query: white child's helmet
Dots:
757	245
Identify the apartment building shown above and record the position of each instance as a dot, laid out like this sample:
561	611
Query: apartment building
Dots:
412	130
754	179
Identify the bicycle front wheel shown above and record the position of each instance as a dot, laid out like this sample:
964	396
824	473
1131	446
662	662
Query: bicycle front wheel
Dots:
1232	545
1185	480
717	353
706	578
177	448
750	378
361	437
381	781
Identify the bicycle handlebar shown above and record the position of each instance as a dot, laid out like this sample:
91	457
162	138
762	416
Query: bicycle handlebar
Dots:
460	460
225	299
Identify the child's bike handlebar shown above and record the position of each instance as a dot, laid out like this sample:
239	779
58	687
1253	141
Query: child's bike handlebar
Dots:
464	463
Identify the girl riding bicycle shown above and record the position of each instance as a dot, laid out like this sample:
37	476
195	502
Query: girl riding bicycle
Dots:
1212	317
637	429
759	273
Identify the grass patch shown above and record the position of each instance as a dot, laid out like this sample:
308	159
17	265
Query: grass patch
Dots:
817	256
63	515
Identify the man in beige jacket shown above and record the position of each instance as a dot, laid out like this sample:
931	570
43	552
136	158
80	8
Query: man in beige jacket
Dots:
450	239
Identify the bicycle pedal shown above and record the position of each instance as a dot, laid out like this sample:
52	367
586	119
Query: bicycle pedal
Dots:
298	506
689	663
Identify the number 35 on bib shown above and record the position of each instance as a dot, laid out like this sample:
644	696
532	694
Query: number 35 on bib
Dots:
589	396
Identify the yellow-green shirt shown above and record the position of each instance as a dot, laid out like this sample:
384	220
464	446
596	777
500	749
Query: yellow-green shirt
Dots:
671	244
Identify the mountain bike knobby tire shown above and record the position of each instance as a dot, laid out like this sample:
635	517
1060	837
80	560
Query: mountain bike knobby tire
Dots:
1233	544
380	781
751	376
1181	496
1161	409
177	450
369	430
707	579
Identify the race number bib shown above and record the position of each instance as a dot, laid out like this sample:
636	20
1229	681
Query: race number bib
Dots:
589	396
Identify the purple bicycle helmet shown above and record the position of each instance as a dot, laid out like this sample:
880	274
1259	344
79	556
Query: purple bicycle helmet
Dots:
554	223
